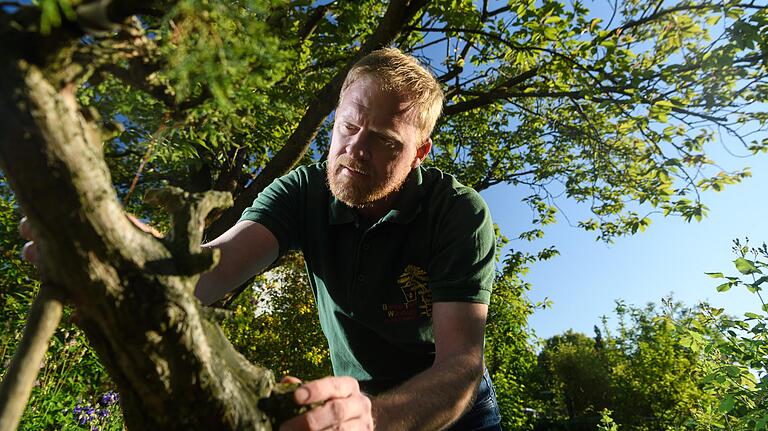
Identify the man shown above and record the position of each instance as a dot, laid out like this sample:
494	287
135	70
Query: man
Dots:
400	258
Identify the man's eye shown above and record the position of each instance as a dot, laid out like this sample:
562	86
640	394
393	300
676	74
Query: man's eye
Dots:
350	127
391	145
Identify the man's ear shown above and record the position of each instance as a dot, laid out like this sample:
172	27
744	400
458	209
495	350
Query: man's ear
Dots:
422	152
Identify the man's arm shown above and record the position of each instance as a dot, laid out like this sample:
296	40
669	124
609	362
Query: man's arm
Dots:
431	400
439	396
247	248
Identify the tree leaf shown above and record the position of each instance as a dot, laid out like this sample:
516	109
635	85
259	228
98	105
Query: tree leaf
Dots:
724	287
727	403
746	267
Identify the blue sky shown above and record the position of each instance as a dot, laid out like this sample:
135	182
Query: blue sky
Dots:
671	256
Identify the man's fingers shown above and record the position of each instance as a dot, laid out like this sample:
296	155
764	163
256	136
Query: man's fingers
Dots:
290	379
339	414
25	230
29	253
325	389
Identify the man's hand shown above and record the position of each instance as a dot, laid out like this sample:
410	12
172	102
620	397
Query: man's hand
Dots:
344	408
29	252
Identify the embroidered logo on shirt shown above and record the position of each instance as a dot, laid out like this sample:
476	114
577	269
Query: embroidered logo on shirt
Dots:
418	298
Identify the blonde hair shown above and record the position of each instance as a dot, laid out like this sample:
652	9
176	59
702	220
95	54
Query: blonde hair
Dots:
403	74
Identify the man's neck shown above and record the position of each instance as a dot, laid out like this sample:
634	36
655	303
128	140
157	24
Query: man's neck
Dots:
376	210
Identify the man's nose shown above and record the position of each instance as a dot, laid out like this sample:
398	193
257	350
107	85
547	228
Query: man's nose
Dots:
357	147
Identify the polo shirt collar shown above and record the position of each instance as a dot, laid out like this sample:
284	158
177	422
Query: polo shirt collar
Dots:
407	205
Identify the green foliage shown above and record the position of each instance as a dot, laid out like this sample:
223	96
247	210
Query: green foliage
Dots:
577	372
617	115
642	374
655	377
275	323
508	354
734	356
52	11
606	422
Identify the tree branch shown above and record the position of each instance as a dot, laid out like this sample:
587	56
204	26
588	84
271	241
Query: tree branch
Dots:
20	35
44	317
489	97
313	20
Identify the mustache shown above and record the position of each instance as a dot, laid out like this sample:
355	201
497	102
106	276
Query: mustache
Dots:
350	163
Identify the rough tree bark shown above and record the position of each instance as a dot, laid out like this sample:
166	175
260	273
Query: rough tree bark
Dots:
133	293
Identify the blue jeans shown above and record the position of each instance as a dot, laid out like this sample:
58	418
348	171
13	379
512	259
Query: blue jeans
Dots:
484	414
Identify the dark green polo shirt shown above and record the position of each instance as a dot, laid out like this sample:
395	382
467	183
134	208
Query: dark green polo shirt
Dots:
375	285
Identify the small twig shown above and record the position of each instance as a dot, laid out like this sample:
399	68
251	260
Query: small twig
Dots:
44	317
136	177
144	160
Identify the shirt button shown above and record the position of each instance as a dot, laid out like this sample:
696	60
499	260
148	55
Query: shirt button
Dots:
366	247
361	278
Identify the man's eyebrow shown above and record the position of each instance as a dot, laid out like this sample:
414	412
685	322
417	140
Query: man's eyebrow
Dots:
388	135
345	116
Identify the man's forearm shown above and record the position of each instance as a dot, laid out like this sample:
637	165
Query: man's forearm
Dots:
246	249
431	400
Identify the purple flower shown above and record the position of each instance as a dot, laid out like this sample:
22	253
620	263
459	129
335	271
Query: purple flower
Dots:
109	398
102	413
80	414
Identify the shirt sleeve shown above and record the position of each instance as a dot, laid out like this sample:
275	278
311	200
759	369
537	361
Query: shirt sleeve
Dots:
462	263
278	208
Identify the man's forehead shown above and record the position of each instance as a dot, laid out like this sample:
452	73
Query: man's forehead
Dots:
386	129
382	123
368	88
359	108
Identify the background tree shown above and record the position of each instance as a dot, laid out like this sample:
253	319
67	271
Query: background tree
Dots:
577	373
645	375
734	354
277	326
204	95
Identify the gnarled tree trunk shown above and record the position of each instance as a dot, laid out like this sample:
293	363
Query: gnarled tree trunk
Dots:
133	293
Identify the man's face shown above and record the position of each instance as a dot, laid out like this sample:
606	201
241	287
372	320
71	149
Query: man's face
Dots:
375	144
